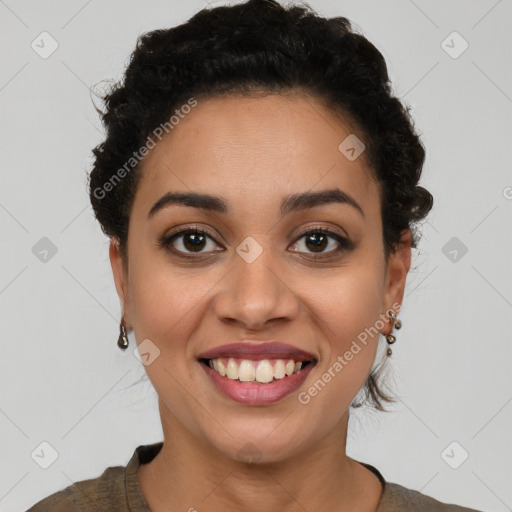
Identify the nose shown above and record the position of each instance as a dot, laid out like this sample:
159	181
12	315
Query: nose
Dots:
255	294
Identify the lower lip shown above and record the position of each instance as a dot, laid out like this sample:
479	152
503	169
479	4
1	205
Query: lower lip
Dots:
255	393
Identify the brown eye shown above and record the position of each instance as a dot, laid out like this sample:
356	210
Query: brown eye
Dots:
189	241
317	240
194	241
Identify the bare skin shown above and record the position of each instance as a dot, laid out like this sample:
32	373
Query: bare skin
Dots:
254	152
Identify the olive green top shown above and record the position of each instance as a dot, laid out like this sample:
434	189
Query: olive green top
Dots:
117	490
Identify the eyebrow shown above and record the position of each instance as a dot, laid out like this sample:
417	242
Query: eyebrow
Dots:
295	202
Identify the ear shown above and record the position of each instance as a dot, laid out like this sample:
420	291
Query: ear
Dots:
120	273
398	267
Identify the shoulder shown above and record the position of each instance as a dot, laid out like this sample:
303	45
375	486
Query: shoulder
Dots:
106	492
116	490
397	497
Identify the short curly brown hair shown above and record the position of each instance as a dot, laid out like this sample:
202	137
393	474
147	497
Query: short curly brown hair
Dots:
261	45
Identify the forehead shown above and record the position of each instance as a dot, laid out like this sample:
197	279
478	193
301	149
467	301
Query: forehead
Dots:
256	147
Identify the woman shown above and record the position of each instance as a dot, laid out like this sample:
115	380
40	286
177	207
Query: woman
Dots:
259	184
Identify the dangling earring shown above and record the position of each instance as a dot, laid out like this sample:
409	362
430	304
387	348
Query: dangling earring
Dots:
122	341
397	324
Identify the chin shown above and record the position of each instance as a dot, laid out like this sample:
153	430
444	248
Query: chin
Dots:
260	445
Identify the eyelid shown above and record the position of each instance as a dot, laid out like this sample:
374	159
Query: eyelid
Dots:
167	239
180	230
342	240
320	227
344	243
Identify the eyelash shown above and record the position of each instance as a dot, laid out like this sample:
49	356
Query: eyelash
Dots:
344	243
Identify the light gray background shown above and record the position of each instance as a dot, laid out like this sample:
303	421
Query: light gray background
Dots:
64	380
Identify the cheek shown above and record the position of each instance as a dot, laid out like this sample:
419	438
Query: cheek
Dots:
161	303
351	312
355	311
165	308
352	302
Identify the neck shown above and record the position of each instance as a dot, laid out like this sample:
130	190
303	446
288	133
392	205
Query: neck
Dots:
189	474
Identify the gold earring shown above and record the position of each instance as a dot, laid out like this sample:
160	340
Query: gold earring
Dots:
122	341
397	324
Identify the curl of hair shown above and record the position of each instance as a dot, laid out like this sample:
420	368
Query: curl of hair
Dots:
255	46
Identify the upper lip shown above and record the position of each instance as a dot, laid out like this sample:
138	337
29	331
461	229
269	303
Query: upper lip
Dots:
249	349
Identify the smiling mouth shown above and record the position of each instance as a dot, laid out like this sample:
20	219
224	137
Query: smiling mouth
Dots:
263	371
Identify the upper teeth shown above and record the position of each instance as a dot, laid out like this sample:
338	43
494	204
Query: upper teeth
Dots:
247	370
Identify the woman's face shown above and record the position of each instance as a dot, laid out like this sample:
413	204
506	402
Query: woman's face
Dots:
254	277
